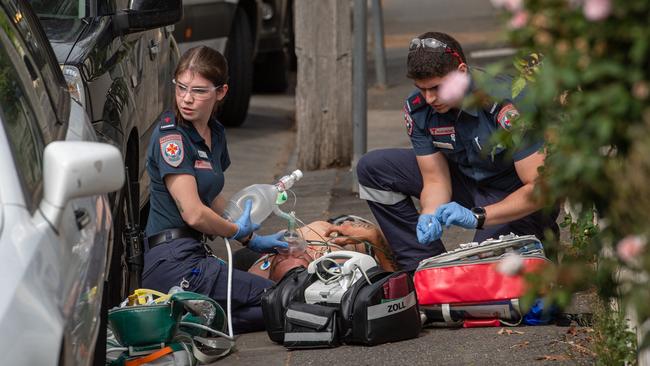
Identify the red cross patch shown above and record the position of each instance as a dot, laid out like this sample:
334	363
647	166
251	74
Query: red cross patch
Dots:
171	149
505	116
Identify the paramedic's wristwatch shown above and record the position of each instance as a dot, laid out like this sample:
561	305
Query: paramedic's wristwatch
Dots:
479	213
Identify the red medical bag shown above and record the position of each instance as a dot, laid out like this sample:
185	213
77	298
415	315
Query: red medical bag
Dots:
464	286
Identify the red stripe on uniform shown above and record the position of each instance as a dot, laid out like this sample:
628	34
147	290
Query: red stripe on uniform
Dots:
202	164
442	131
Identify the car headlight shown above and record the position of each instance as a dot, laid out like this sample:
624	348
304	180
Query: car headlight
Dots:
75	83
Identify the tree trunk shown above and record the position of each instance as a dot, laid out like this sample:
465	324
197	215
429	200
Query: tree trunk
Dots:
324	86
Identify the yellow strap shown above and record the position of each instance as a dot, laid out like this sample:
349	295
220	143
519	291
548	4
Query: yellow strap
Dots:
150	357
142	294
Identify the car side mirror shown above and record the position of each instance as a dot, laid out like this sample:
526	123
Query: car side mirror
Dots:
73	169
147	14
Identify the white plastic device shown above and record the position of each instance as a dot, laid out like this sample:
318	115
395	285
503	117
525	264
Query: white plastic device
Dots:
264	198
343	275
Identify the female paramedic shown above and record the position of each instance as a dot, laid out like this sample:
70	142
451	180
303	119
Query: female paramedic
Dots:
186	158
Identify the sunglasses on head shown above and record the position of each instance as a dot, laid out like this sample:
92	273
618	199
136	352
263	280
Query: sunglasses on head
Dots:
434	44
426	43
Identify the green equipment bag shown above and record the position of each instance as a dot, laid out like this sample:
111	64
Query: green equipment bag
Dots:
177	329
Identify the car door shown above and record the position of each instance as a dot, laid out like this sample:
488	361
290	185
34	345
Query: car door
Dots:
150	88
148	51
57	281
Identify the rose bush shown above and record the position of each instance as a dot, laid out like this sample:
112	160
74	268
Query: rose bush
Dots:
585	68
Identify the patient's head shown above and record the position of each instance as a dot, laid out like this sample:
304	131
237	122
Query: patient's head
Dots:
345	234
283	263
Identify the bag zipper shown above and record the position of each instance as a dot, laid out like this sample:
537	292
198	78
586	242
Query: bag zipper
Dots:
503	243
477	261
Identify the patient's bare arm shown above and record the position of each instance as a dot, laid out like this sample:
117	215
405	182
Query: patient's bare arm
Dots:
350	232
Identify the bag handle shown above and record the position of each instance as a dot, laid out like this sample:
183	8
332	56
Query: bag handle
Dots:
206	349
481	323
515	305
213	344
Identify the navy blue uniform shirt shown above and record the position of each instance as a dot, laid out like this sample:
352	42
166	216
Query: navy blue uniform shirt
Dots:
464	136
177	148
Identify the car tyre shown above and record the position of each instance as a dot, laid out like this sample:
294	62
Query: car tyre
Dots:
239	53
117	280
118	274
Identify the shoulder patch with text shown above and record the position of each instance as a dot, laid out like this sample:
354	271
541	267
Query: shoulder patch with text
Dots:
505	116
409	121
171	148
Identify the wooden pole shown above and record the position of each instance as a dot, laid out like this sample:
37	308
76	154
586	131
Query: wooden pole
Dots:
359	88
324	83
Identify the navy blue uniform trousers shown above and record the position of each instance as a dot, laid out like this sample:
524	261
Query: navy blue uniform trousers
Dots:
396	170
167	264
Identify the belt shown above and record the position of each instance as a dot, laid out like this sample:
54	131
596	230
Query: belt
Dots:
171	234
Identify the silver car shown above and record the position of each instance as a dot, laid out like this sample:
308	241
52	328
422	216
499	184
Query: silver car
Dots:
54	216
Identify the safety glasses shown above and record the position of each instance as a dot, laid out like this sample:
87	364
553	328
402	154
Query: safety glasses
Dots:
433	44
427	43
195	92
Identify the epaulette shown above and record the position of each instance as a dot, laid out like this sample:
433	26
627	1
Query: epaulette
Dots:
499	88
415	102
167	121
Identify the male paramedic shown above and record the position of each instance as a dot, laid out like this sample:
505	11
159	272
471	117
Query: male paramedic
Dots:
459	174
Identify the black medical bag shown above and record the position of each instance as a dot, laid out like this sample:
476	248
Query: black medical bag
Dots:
276	299
368	313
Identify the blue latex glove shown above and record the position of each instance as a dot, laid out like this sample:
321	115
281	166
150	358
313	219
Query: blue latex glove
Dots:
454	214
428	229
267	243
245	226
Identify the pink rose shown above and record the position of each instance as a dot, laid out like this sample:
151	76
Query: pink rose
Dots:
630	248
596	10
453	87
519	20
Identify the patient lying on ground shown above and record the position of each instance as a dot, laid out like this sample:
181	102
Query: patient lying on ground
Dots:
344	233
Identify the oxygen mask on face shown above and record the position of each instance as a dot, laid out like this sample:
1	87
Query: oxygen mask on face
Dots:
296	244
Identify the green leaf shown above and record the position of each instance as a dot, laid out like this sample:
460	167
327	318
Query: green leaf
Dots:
518	85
